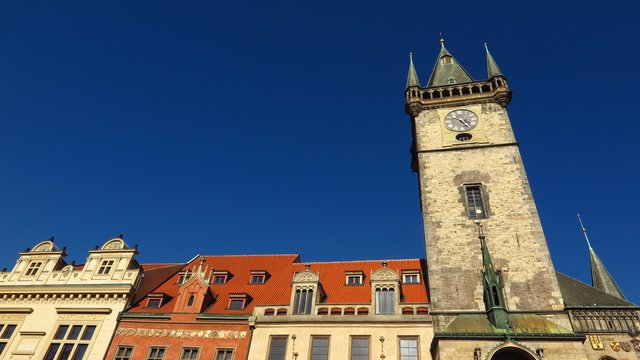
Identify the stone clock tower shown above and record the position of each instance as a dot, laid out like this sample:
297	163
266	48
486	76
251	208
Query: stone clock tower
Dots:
492	283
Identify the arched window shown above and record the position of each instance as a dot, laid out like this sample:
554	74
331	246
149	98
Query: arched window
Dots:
191	299
385	301
451	80
302	301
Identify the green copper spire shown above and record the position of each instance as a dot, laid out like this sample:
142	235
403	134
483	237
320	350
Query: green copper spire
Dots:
600	277
447	70
493	295
492	67
412	76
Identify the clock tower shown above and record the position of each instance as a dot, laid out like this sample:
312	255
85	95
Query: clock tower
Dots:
492	283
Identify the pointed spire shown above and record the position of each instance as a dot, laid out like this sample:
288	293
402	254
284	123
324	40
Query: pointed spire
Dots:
412	76
492	67
600	277
492	283
447	70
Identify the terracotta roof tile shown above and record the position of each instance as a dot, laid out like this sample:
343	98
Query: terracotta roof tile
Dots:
277	288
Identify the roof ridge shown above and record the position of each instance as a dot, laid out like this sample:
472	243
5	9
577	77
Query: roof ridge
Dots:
356	261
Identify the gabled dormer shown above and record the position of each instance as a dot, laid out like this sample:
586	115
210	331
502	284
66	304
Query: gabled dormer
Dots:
194	294
112	261
385	290
305	292
36	264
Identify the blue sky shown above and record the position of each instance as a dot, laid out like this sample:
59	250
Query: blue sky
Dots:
278	127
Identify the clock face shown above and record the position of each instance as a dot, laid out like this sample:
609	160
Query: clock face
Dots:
461	120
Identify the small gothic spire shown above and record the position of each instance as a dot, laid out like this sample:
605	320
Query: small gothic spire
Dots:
601	279
412	76
493	293
492	66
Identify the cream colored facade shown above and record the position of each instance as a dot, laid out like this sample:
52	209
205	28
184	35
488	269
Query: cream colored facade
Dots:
47	301
409	324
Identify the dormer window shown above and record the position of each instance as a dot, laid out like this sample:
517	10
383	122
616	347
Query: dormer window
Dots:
154	301
411	277
220	277
105	267
237	301
354	278
191	300
258	277
33	268
451	80
447	59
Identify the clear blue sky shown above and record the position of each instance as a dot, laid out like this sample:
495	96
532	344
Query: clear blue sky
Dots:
278	127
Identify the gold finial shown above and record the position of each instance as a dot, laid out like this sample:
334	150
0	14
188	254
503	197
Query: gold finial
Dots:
441	40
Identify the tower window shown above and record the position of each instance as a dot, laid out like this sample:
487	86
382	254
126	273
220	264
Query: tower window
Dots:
447	59
451	80
191	300
474	198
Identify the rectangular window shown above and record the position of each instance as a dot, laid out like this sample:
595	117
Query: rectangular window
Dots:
354	280
408	348
154	303
411	277
189	353
156	353
385	301
123	352
219	279
474	199
277	348
33	268
6	333
70	342
236	304
224	354
359	348
257	279
105	267
319	348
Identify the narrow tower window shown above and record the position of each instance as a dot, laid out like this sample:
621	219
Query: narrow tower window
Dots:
475	201
447	59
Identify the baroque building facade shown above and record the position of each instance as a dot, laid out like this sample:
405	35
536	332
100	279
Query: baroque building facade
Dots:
53	310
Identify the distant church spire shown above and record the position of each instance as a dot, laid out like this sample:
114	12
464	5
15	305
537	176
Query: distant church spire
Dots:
412	76
493	295
600	277
492	66
447	70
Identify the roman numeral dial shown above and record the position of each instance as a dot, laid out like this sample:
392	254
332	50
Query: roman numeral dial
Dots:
461	120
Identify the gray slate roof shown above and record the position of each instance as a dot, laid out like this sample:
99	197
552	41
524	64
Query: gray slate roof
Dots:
492	66
578	294
442	72
412	76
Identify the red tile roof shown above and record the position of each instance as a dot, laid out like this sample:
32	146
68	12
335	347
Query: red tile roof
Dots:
277	288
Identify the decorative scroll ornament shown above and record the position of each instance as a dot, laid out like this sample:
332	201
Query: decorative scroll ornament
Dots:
636	343
596	342
176	333
384	274
305	276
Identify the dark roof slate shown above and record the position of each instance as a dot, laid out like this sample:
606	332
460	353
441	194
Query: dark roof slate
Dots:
578	294
443	72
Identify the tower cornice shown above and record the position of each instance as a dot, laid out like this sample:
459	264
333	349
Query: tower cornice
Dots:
493	90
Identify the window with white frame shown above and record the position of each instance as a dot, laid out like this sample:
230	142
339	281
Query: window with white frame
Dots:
190	353
123	352
411	277
224	354
156	353
354	278
70	342
237	301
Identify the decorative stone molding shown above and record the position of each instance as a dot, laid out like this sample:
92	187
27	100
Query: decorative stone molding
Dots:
384	274
306	276
182	333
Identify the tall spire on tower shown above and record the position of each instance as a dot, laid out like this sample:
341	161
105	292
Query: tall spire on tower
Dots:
600	277
492	66
447	70
412	76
